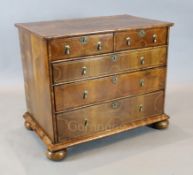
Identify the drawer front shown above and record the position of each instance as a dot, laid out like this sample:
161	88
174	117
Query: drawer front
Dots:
72	95
81	46
104	65
90	120
140	38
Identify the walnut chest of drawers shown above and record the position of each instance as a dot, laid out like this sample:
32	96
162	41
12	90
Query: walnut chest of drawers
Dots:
90	78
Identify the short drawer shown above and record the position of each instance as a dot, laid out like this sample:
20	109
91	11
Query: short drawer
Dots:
72	95
140	38
109	64
80	46
98	118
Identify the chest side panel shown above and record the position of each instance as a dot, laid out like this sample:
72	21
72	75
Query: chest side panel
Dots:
37	80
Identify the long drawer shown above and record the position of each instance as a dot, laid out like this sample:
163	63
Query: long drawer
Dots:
139	38
94	119
82	93
109	64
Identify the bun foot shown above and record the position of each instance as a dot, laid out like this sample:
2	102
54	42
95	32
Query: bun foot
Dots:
57	155
28	125
161	125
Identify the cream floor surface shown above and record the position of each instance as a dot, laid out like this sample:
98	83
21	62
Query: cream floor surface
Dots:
141	151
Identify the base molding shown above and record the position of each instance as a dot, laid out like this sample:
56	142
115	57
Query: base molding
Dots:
158	121
31	124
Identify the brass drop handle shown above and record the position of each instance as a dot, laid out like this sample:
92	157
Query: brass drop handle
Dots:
141	108
142	60
142	82
85	122
84	70
128	39
67	49
99	46
85	94
154	38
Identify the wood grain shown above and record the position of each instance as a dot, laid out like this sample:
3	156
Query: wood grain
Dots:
66	144
37	80
140	42
78	49
117	90
107	65
106	116
74	27
69	96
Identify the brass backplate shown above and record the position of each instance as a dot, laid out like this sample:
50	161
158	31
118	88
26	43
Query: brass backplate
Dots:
115	105
141	33
114	57
83	39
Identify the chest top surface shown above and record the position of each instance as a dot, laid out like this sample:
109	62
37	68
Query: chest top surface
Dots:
73	27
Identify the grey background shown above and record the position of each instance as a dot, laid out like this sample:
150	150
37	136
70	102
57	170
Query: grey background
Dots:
179	12
141	151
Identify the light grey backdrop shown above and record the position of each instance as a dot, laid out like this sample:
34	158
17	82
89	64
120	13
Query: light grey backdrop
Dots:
141	151
179	12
